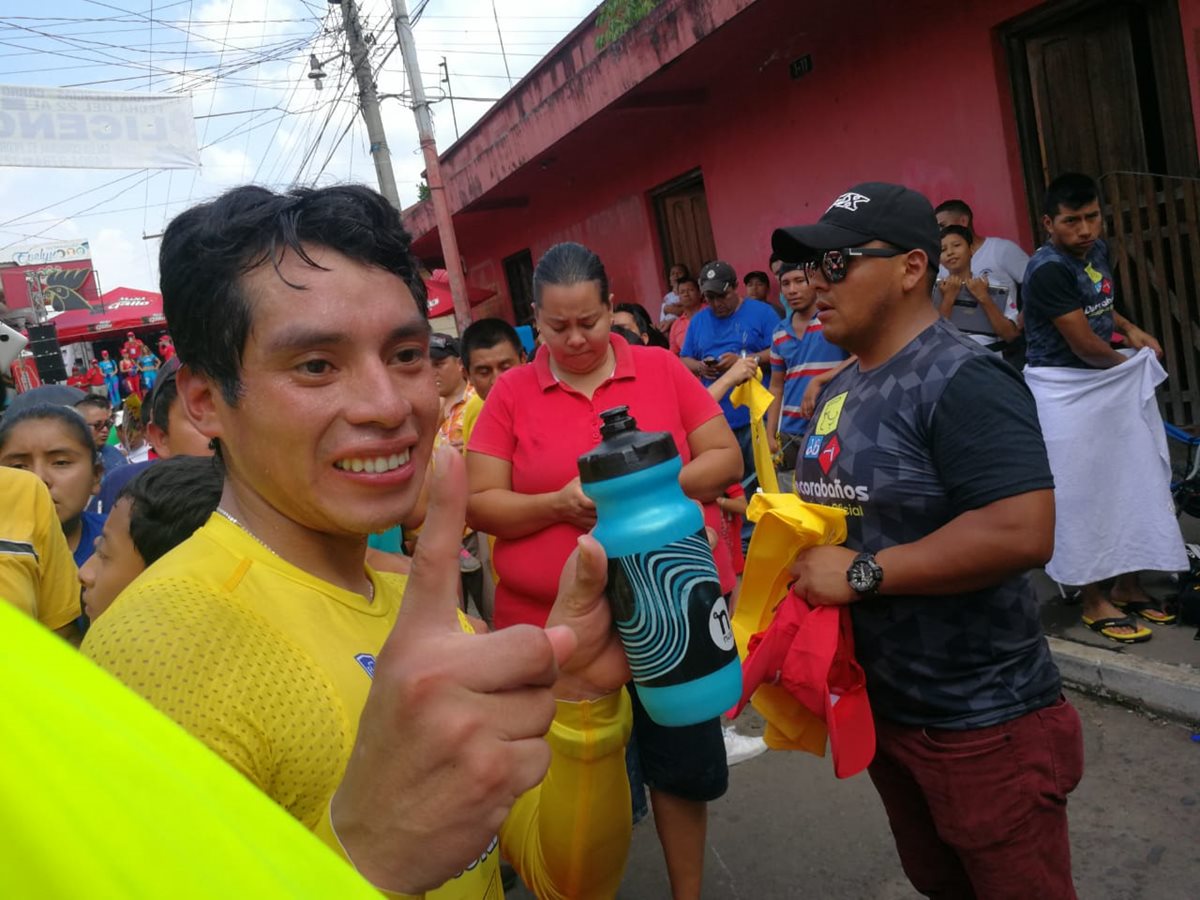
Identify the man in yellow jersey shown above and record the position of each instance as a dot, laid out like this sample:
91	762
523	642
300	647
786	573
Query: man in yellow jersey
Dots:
37	573
411	747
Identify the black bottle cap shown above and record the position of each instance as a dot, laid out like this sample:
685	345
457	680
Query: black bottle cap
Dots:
624	449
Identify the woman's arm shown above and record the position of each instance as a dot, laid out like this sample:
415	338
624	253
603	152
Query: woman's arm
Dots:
495	508
716	461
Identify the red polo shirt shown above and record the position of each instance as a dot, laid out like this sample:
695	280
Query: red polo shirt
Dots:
542	427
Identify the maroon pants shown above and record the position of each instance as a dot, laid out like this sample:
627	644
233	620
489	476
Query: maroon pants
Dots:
982	813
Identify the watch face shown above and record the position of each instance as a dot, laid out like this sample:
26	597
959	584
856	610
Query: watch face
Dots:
862	576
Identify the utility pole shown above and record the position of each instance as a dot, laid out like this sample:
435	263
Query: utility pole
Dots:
445	67
433	171
369	103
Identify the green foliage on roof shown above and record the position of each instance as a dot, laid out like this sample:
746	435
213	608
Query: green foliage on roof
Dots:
619	16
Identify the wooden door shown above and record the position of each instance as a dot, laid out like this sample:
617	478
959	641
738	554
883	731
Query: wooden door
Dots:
518	273
684	227
1085	96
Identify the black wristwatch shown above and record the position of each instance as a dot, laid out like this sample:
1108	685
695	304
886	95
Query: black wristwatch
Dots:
865	575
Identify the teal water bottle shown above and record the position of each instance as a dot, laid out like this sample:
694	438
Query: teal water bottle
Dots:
662	581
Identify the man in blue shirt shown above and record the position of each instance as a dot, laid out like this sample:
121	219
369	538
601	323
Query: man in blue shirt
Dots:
728	329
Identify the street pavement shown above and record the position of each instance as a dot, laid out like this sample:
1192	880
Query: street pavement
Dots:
789	829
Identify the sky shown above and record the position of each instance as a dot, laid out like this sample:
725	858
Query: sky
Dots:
259	117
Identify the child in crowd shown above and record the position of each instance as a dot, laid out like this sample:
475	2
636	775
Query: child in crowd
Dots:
153	514
55	443
985	312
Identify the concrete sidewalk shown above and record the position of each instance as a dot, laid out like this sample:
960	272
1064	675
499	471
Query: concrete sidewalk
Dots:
1161	675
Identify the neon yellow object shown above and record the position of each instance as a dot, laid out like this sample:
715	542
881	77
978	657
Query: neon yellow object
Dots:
757	399
103	796
785	526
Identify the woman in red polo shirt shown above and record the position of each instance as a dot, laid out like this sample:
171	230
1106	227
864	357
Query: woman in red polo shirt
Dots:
521	465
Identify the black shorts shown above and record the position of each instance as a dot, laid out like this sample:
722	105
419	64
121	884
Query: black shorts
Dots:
687	762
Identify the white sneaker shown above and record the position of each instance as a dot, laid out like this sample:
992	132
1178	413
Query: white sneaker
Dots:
741	747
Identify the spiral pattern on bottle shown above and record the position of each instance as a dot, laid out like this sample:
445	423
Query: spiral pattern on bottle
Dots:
656	638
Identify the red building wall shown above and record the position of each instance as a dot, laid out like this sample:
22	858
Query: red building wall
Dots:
912	92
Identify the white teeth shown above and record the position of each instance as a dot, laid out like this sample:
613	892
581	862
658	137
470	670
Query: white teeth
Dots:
373	465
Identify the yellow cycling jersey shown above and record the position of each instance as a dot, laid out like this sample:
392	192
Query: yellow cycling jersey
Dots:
270	666
37	571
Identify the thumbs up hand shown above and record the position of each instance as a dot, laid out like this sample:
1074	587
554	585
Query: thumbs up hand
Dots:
453	729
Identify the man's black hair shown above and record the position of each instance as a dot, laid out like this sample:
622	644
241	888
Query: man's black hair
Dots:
1071	190
169	500
631	337
207	249
958	207
688	280
567	264
485	334
962	231
756	275
95	400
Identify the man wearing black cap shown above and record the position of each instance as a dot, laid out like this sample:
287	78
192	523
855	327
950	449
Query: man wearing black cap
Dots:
452	387
717	337
932	447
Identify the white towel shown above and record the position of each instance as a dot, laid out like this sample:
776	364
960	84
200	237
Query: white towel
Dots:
1112	470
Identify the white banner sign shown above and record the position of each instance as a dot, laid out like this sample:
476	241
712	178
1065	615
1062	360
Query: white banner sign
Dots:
65	251
66	128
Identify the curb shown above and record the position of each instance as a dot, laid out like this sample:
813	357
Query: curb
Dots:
1169	690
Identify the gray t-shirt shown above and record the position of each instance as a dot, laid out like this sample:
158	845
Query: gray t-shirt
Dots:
941	428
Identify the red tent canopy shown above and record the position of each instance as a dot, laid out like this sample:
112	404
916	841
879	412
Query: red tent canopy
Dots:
440	302
122	309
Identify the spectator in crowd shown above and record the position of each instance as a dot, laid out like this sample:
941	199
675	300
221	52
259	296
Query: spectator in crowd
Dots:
132	430
166	347
799	355
404	742
670	300
1070	319
37	575
977	748
690	303
718	336
453	389
999	260
77	379
56	445
634	317
490	347
112	379
98	413
525	489
758	287
154	513
986	312
147	364
94	381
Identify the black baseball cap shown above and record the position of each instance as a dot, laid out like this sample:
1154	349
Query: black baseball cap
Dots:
443	345
872	211
717	277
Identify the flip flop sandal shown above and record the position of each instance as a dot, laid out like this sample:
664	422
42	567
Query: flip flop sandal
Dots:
1103	626
1151	612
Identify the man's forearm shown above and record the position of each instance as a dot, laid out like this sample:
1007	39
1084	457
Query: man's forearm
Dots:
693	365
974	550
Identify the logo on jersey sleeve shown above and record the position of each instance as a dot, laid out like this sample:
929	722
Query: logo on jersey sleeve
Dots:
831	414
367	661
813	448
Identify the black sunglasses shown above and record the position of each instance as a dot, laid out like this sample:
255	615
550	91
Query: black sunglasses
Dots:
834	264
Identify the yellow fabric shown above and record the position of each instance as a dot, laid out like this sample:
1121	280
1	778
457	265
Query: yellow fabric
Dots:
470	415
37	571
785	526
270	667
103	796
757	399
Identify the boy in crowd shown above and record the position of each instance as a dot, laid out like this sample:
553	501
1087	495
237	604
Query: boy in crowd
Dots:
998	259
97	411
156	511
758	287
800	355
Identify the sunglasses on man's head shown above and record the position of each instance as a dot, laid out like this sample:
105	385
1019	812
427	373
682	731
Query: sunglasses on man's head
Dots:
834	264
